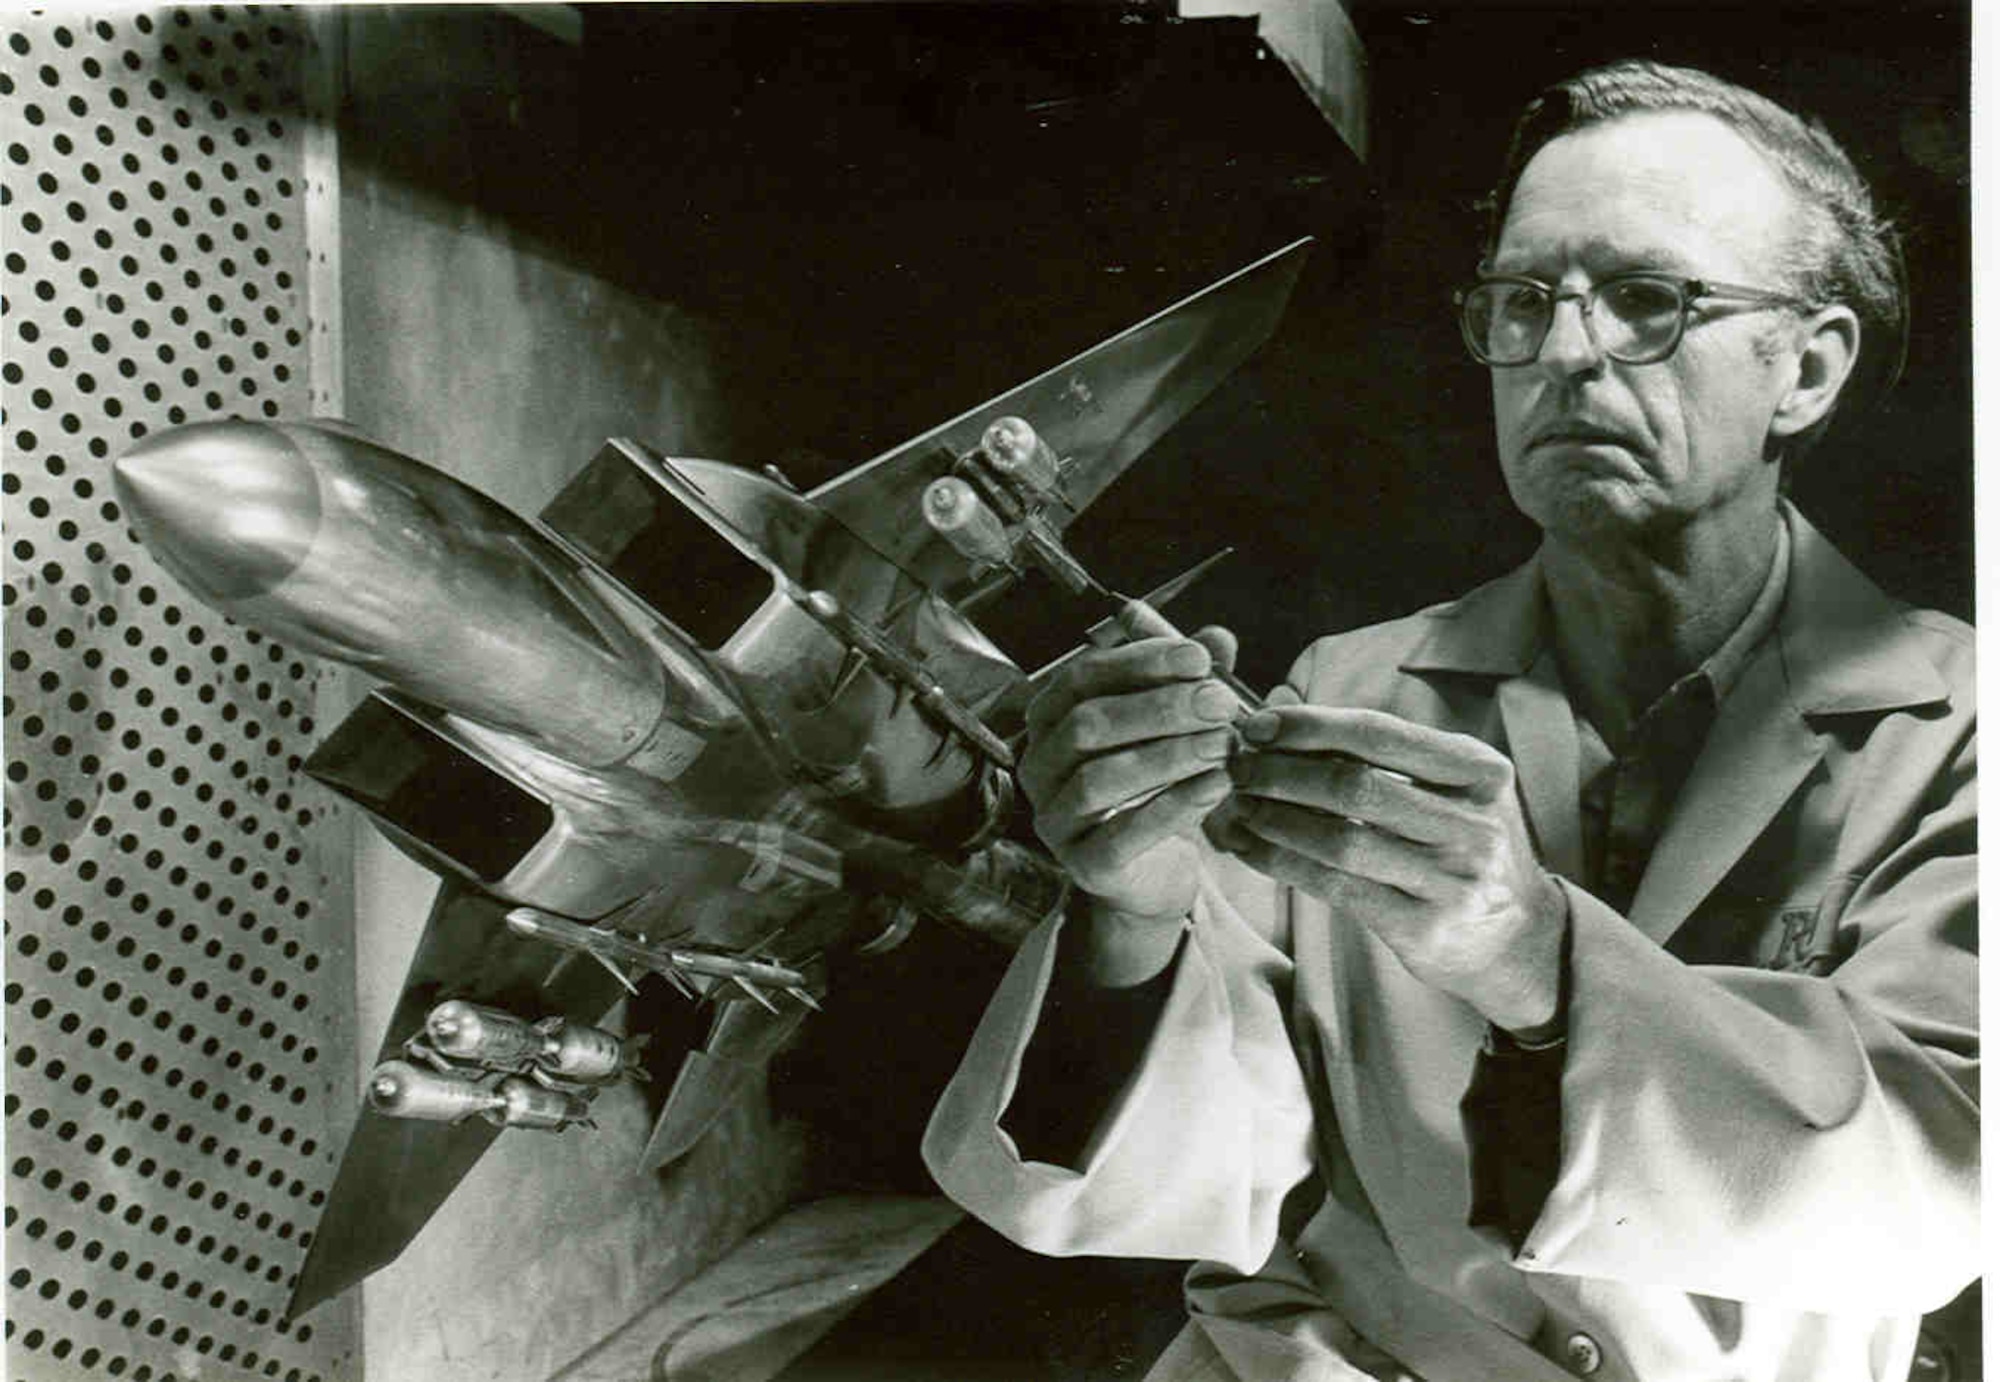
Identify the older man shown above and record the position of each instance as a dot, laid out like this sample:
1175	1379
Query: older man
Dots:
1578	978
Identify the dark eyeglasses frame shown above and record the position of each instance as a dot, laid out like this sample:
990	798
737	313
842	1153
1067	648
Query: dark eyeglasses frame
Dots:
1690	290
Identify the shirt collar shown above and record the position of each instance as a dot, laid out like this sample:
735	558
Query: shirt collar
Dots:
1726	663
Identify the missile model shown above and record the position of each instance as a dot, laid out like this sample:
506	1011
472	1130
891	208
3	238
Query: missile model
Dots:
689	721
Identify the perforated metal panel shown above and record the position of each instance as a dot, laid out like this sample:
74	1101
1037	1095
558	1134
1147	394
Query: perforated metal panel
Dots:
178	985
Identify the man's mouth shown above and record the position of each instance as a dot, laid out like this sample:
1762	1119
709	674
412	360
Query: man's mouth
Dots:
1580	434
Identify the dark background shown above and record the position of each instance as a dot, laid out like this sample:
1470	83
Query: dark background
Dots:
890	213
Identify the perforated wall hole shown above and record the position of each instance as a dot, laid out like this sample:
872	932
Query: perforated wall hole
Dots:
176	901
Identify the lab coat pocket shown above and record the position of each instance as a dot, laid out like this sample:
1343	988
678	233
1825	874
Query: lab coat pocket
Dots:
1797	930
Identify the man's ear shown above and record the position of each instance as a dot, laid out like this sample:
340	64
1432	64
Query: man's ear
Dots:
1831	346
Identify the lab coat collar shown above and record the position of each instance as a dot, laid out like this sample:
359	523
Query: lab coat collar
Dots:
1497	630
1841	647
1846	646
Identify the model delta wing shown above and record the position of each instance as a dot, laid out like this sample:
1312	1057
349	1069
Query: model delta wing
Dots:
692	723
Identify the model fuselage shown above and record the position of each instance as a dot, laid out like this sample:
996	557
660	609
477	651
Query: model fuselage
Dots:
688	722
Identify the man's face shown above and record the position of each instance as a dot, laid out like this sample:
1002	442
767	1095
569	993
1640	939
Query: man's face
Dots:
1596	449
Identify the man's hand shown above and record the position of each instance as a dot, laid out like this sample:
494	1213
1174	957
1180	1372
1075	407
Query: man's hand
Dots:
1126	753
1416	833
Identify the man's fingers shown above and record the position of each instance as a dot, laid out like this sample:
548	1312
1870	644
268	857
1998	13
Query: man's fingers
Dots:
1110	722
1387	909
1359	791
1156	689
1352	849
1221	645
1113	781
1132	667
1429	755
1113	842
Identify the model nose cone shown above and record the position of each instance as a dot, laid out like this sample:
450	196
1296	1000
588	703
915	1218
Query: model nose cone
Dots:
230	508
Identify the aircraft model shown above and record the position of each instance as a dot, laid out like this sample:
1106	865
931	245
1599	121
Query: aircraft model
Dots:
692	722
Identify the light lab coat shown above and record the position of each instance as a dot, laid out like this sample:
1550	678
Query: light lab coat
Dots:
1769	1104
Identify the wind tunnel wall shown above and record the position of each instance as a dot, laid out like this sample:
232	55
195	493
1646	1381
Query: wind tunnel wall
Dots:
179	990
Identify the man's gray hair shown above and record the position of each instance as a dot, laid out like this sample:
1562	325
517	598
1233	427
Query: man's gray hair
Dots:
1844	252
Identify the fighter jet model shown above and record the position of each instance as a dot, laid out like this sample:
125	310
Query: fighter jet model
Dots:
691	722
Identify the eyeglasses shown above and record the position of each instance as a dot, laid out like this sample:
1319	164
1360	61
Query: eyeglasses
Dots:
1506	317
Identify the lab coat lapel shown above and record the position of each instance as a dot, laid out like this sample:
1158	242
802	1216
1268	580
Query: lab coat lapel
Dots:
1840	648
1759	751
1541	739
1498	631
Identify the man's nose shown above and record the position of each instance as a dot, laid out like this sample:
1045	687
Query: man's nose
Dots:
1571	345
